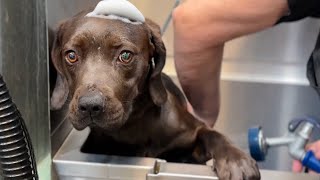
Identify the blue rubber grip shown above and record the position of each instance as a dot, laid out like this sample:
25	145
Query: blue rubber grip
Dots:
256	151
311	162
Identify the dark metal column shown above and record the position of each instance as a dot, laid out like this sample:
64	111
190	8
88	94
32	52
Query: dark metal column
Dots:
24	66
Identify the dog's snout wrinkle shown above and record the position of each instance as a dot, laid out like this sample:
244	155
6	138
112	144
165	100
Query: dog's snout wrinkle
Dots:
91	104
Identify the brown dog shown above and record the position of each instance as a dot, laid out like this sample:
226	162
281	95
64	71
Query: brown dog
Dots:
110	74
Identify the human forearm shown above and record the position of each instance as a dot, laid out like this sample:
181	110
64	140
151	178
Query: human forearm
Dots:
201	27
217	21
200	81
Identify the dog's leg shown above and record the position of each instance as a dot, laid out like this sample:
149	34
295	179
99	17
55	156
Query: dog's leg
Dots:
230	163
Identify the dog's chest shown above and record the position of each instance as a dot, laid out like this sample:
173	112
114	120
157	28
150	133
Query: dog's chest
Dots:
153	138
143	134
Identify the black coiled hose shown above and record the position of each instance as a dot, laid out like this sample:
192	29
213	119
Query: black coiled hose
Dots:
16	154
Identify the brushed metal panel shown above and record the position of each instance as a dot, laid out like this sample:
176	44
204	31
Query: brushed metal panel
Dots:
283	43
24	60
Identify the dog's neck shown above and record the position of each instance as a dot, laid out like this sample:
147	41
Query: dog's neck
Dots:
143	104
143	107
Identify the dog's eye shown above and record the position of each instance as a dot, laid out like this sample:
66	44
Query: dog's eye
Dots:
71	57
125	57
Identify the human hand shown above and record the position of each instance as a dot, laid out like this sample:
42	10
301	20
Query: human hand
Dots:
315	148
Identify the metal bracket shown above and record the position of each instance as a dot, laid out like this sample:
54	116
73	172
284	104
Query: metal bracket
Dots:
177	171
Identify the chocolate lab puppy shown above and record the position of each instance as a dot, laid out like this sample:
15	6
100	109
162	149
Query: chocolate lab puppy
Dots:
109	73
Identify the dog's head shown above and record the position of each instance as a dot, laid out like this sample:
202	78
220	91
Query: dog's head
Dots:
103	65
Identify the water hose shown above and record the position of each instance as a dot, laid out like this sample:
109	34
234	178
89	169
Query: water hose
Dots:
17	159
169	18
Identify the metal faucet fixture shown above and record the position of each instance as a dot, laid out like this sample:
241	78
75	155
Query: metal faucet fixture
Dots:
299	134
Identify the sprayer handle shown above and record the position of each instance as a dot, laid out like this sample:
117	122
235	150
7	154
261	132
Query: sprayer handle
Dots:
310	161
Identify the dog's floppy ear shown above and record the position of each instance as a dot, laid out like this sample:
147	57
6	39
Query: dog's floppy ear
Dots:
61	90
156	88
60	93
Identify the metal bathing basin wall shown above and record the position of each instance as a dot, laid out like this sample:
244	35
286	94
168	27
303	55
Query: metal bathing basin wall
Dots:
71	164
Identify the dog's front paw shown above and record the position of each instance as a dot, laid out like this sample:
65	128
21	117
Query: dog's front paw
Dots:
236	165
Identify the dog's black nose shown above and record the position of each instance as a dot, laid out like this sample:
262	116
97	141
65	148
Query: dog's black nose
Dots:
91	104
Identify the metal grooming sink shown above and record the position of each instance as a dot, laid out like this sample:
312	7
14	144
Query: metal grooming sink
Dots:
71	164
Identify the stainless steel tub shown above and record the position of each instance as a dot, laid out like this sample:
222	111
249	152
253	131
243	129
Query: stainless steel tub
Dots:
71	164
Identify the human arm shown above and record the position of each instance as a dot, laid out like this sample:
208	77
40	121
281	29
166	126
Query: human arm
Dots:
201	27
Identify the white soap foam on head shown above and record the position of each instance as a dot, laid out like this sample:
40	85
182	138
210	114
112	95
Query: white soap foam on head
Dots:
118	9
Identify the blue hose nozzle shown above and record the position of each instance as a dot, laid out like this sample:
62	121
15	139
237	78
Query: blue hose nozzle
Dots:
256	144
310	161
